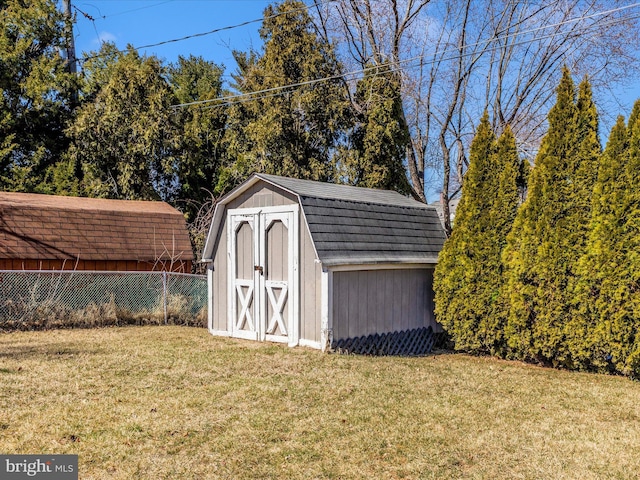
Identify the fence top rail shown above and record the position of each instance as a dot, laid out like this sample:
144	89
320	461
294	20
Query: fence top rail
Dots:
105	272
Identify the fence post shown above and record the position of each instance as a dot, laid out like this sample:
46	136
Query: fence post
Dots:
164	295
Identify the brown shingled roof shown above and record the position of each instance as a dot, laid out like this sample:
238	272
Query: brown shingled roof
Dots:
40	227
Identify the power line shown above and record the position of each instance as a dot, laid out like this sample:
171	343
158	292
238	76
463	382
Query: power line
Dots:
217	30
91	19
104	17
136	9
390	66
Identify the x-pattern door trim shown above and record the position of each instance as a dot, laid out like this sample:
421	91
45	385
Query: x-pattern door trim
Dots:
245	301
277	306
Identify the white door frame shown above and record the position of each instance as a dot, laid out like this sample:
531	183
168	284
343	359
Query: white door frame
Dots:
260	220
235	285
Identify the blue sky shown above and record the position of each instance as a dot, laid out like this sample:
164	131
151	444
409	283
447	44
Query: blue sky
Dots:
144	22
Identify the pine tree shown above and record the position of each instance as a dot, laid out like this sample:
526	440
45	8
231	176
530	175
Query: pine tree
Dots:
468	277
201	149
125	137
290	132
36	92
549	233
606	297
378	142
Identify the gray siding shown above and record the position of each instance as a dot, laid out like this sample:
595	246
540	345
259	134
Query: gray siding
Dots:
310	285
244	245
262	195
381	301
220	281
277	250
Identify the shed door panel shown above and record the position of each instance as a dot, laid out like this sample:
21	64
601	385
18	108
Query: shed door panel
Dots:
276	276
243	291
263	254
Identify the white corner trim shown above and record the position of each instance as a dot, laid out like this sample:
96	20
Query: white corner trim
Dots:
326	309
210	298
294	273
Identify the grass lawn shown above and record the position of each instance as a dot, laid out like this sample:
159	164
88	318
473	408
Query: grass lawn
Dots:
177	403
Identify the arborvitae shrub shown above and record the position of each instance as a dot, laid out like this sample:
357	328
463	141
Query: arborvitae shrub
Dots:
607	294
468	278
600	265
550	230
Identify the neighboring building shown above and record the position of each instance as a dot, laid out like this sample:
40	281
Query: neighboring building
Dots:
453	206
46	232
315	264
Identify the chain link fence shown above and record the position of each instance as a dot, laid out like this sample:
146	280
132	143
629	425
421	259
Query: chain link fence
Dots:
32	300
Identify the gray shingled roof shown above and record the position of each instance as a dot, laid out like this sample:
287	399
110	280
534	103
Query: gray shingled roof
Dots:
353	225
332	191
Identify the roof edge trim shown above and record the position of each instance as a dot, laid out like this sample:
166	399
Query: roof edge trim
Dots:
381	264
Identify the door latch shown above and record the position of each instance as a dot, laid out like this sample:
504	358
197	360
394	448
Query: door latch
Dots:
258	268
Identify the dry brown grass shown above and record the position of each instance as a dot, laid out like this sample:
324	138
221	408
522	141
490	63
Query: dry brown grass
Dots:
57	315
177	403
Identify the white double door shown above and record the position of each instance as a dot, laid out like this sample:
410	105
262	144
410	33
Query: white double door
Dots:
263	288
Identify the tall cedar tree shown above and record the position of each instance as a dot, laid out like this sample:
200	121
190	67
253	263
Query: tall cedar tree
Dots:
606	297
468	277
36	92
290	132
125	136
379	139
550	230
201	149
600	266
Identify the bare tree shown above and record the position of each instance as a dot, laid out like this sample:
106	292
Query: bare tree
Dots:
199	228
458	58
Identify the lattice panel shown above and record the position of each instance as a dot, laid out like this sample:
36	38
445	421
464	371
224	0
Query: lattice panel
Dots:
418	341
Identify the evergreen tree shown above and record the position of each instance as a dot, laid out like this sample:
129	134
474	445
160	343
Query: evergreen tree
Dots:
625	321
601	266
125	137
201	149
549	233
606	297
579	217
35	92
378	143
291	132
468	277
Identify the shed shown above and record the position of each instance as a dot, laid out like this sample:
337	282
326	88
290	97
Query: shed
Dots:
47	232
317	264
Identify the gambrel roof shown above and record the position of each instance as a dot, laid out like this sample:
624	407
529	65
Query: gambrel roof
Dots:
353	225
34	226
